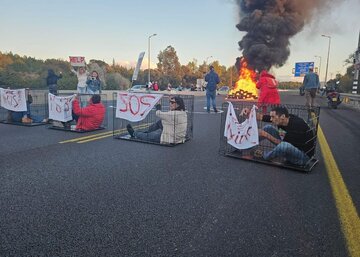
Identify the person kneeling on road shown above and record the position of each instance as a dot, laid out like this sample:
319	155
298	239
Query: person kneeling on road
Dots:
91	116
170	129
292	136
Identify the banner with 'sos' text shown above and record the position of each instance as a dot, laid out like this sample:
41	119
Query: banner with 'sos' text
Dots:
135	107
13	99
241	135
77	61
60	108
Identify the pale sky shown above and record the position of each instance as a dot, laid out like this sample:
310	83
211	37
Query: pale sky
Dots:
197	29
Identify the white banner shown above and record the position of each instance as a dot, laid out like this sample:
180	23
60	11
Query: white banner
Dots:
77	61
138	65
13	100
135	107
60	108
244	135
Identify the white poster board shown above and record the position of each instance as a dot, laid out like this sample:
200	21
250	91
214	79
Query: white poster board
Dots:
77	61
13	99
241	135
60	107
135	107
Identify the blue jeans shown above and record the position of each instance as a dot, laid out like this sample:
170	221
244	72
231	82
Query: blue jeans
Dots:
285	149
81	90
17	116
152	134
210	96
89	91
53	89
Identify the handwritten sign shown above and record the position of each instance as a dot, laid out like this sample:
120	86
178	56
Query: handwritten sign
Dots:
241	135
77	61
13	100
60	108
135	107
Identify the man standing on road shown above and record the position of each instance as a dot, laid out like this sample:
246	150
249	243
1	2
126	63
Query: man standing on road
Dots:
212	80
311	84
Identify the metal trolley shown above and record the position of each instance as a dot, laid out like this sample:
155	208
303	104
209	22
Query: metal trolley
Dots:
120	125
310	116
70	125
37	111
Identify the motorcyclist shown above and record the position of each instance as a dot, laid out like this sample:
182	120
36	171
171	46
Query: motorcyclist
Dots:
331	93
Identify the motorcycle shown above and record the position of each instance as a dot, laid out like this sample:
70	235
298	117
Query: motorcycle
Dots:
333	99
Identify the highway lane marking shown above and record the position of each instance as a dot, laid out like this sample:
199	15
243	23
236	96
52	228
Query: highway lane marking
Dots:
349	218
85	139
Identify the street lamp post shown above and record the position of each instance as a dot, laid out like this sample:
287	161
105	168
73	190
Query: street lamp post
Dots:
153	35
319	64
207	58
327	61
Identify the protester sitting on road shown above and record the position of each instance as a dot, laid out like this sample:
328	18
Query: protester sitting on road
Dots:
293	138
26	116
91	116
170	129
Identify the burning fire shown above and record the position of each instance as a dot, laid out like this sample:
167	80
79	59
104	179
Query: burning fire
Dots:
245	87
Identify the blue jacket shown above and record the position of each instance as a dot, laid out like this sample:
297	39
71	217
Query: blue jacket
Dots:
94	85
311	80
212	80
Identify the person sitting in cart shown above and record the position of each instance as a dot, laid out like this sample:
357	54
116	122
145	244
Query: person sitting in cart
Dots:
25	117
169	129
293	138
90	117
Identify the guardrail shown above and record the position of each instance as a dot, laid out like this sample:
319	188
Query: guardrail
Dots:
351	100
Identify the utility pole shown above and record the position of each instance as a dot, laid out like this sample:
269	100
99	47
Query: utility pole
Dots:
328	54
153	35
356	88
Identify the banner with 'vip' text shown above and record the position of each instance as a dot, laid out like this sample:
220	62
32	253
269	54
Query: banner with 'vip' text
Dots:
241	135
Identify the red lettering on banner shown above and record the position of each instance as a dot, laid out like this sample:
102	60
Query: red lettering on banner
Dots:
129	102
123	100
130	105
66	107
11	98
146	103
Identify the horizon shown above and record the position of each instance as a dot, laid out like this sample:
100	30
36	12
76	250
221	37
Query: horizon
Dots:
204	31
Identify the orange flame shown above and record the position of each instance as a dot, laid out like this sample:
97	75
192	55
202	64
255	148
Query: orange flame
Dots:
245	87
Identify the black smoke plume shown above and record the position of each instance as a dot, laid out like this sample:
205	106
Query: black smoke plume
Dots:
270	24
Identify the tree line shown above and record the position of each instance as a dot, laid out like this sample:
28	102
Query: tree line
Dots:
23	71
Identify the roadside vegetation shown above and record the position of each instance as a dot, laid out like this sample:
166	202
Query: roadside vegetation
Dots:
23	71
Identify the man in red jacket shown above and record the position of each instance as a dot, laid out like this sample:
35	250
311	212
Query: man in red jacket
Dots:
91	116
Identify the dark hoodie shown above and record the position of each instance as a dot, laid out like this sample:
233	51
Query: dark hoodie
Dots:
52	78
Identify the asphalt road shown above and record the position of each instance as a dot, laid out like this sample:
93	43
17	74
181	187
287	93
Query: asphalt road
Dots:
112	197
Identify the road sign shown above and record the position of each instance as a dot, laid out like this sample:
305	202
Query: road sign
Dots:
302	68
